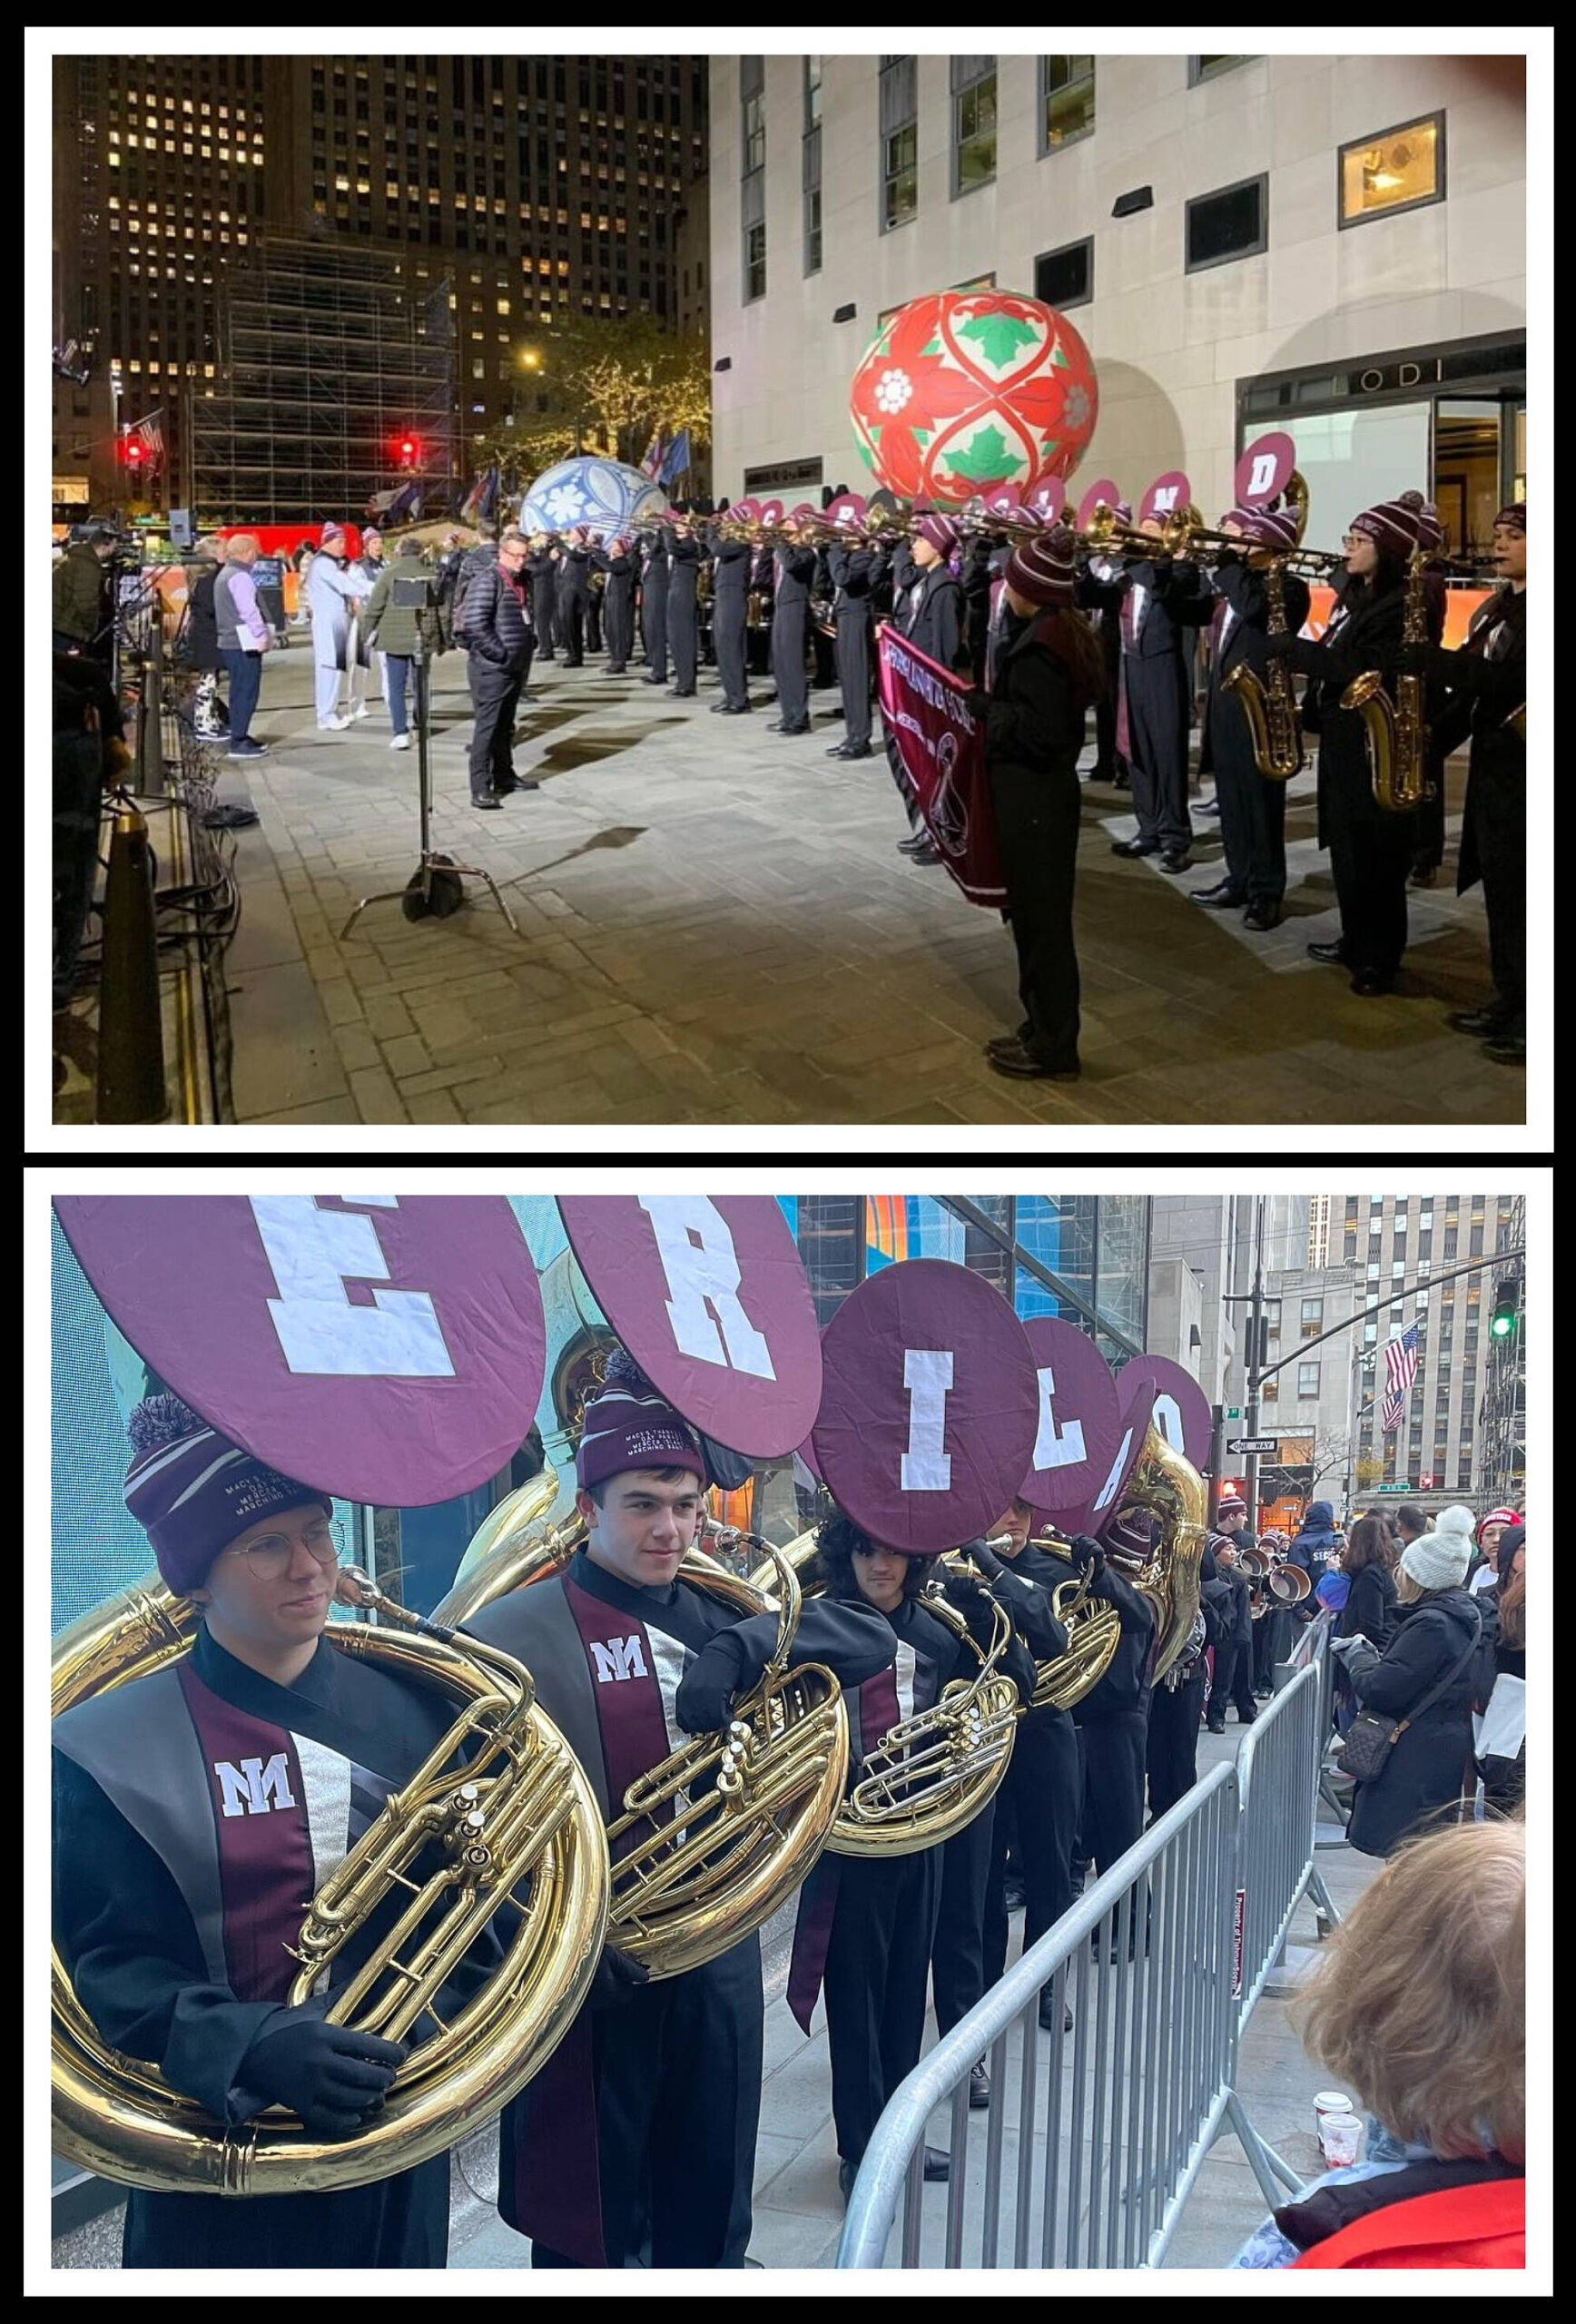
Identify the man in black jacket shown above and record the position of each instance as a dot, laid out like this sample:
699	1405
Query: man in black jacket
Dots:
731	570
790	604
1158	603
1233	1681
498	630
854	572
1253	806
574	576
618	602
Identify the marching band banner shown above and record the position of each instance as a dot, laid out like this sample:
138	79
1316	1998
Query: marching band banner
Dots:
941	745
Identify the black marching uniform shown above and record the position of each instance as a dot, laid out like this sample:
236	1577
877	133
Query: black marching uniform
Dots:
795	570
854	573
654	605
1177	1700
683	573
1371	849
730	614
762	590
1112	1722
928	609
619	603
980	567
1042	1786
542	568
574	579
1034	732
1232	1681
174	1910
1110	763
1253	806
866	1923
1157	602
647	2110
1488	683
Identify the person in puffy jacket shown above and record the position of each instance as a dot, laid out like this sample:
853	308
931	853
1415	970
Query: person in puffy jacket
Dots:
1317	1547
1438	1637
1419	2007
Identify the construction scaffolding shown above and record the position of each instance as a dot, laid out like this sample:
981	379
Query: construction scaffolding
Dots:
332	361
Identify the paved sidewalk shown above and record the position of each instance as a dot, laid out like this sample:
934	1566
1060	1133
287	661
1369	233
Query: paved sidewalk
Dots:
716	927
798	2207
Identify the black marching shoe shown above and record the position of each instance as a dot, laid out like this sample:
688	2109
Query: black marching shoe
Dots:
1024	1065
847	2172
858	751
1176	858
915	843
980	2084
801	728
1483	1024
1135	847
1207	807
489	799
1507	1048
1217	1726
1222	897
1335	954
938	2163
1048	2018
1263	916
684	692
838	751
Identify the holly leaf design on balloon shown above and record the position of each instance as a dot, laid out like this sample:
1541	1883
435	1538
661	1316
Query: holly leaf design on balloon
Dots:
998	336
987	459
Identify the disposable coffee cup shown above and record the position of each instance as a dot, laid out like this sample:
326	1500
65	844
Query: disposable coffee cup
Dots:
1330	2101
1340	2135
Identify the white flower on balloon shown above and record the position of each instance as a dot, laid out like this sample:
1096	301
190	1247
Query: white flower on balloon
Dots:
564	503
1076	406
893	390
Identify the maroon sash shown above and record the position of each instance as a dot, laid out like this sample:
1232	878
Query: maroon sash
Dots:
258	1799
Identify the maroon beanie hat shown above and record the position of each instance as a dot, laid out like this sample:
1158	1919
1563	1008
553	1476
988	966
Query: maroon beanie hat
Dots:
941	535
1267	527
1041	568
1514	515
630	1424
1397	525
192	1490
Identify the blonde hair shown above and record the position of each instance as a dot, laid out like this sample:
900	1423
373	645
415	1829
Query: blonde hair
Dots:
1419	2002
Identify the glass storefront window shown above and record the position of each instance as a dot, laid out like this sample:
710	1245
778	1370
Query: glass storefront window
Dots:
1060	1232
1122	1259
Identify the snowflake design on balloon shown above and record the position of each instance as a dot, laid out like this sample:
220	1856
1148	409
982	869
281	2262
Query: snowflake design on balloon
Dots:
1076	406
893	389
565	503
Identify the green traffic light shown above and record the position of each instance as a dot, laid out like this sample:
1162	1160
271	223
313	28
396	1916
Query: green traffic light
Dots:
1501	1327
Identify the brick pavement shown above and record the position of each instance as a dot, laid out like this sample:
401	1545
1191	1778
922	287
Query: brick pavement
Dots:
716	927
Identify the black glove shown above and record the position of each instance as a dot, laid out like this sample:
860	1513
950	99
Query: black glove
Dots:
985	1557
617	1976
1087	1554
706	1691
1423	661
969	1595
331	2076
1279	643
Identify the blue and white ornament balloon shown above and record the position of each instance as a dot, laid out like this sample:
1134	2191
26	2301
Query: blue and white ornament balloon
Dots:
604	496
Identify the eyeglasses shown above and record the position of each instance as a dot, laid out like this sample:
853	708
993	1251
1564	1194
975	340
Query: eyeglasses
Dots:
1353	540
270	1555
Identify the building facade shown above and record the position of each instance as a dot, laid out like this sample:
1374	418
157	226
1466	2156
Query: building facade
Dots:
1203	1251
1329	244
514	187
1502	1427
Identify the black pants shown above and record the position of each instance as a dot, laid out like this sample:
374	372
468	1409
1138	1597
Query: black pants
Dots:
1113	1752
788	664
398	2222
1158	746
495	695
592	621
1171	1753
1253	811
1039	1805
1108	761
544	615
852	645
1272	1642
825	653
681	638
620	626
1036	825
728	637
1429	852
1499	812
678	2103
571	619
653	620
876	1965
958	1951
1233	1681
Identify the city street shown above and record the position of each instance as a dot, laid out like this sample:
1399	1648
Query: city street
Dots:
716	927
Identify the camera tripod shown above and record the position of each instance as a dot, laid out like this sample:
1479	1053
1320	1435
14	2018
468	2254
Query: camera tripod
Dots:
434	888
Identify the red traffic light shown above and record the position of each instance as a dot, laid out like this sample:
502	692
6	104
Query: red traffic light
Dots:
133	453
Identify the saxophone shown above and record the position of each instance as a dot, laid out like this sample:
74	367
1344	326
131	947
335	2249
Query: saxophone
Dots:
1397	730
1270	704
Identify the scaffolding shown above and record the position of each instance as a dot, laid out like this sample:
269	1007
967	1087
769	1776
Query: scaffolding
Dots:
1502	1420
331	358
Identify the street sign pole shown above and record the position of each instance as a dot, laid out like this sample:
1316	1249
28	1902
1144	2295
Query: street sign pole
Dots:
1217	1434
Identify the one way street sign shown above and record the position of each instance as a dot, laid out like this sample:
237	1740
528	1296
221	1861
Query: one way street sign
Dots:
1253	1444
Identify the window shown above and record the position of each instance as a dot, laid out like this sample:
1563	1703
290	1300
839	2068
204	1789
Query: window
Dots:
1270	1391
1067	99
1313	1318
1205	68
753	182
899	141
1307	1382
1398	169
811	174
1229	224
1066	277
973	123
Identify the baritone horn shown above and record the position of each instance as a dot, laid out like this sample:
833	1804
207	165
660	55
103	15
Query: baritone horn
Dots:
1094	1628
518	1816
1166	1487
709	1842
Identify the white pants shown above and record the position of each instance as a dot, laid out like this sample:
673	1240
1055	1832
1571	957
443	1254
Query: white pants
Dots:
328	688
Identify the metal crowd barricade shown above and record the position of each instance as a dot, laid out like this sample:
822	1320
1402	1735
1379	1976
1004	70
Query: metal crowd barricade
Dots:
1094	2137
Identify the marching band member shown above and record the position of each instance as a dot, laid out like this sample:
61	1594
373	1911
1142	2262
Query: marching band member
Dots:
541	565
795	570
1487	683
866	1923
653	603
1110	714
762	588
574	576
1156	604
1232	1679
1252	805
1113	1718
1371	848
854	573
614	561
196	1809
1045	675
647	2110
683	571
730	614
927	608
1176	1702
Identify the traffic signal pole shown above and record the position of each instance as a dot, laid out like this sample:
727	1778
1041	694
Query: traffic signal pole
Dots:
1256	1351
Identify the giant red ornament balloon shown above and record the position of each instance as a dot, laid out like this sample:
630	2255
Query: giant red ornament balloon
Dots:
964	392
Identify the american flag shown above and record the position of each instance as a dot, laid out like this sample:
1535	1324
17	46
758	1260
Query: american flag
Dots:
149	433
1400	1371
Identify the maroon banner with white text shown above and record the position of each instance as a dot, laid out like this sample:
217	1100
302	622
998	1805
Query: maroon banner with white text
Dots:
941	745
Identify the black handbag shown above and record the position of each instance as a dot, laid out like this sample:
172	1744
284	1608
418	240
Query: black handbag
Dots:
1368	1739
